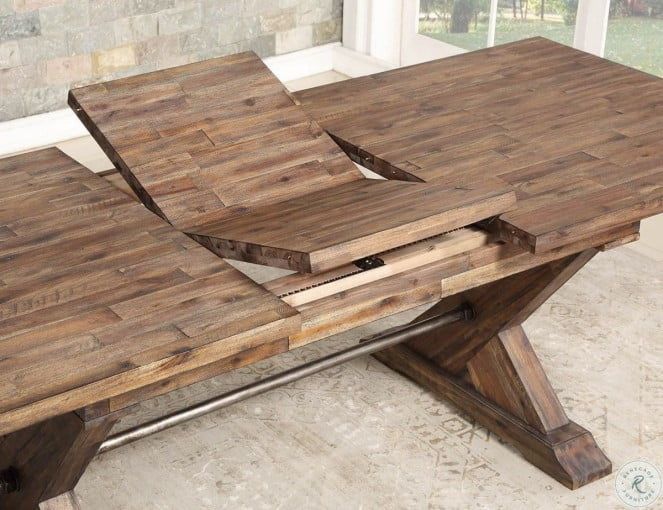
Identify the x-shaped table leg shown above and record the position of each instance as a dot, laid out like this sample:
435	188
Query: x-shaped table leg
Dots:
488	368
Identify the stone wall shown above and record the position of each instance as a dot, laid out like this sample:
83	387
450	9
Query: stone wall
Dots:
49	46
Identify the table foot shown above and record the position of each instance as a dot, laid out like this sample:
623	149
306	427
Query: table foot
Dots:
568	453
487	368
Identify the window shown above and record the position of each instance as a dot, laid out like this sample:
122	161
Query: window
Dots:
635	34
554	19
412	31
462	23
466	23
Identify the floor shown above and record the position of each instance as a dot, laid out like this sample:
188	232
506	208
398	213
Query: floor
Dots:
361	437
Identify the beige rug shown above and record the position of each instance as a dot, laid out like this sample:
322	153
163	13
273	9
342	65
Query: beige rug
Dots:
362	437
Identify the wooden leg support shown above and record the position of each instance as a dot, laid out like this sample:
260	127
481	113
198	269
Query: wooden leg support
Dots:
49	458
488	368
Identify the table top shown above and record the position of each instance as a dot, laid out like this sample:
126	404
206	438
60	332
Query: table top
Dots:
326	229
578	137
220	150
98	296
205	141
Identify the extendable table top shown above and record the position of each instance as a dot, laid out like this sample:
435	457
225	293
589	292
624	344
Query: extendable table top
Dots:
221	151
578	137
506	170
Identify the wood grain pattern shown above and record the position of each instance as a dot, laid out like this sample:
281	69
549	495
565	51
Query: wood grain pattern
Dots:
429	283
577	136
488	368
297	289
321	231
208	140
101	297
568	453
222	152
500	304
507	372
201	373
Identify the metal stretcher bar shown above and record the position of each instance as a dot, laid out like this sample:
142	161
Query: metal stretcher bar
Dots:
369	346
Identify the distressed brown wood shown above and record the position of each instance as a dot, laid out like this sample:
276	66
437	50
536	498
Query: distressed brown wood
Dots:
100	297
103	305
297	289
94	410
324	230
493	355
450	276
122	404
620	242
202	373
50	457
580	138
429	283
220	150
499	305
506	371
568	453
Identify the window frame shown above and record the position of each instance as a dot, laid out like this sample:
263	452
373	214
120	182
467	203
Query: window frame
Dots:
387	30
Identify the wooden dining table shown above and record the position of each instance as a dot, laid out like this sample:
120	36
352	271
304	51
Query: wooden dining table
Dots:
496	176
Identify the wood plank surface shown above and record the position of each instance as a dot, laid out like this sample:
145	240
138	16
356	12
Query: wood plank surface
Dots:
208	140
346	297
320	231
220	150
578	137
101	297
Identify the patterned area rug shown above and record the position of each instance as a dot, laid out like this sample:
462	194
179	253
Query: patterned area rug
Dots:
362	436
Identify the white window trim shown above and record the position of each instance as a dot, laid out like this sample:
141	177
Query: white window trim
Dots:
415	47
592	26
371	27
